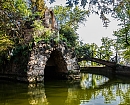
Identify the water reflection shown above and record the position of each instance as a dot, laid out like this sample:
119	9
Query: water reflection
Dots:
37	95
90	90
92	80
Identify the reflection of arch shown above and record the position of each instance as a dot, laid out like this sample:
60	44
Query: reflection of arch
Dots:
56	66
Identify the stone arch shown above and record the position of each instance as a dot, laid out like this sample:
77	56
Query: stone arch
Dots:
56	67
43	52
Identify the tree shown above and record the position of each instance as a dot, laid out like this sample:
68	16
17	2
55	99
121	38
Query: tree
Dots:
37	7
68	35
69	20
13	14
126	55
83	51
70	16
100	7
94	53
122	13
12	18
105	49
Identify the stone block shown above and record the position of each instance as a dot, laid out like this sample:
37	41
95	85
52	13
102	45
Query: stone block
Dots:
35	62
35	66
41	72
40	78
69	67
32	57
31	79
29	73
35	72
32	62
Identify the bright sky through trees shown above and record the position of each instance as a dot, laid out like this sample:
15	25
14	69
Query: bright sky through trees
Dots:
92	31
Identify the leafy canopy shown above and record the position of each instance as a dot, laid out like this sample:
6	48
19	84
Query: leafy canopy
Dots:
122	13
69	19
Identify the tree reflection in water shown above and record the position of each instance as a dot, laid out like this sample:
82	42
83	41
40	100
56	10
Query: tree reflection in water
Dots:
90	90
37	94
92	80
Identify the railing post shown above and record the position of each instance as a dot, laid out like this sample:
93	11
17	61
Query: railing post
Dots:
116	60
100	55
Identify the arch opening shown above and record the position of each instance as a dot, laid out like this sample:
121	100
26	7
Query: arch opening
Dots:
56	67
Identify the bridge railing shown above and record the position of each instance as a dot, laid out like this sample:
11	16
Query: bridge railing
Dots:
102	56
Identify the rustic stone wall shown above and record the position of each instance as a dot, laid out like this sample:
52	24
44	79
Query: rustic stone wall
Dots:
64	59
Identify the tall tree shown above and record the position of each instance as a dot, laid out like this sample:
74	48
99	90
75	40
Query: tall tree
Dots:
122	13
70	16
12	17
69	20
13	14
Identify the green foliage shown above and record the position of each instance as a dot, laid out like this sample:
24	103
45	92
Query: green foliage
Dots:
69	20
70	16
22	9
37	7
122	13
21	49
83	51
69	35
126	54
5	44
106	48
99	7
12	17
40	32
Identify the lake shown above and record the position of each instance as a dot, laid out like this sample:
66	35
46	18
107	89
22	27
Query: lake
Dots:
91	89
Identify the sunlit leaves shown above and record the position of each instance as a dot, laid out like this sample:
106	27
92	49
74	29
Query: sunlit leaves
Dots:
5	44
122	13
83	51
40	32
72	17
70	35
13	14
62	14
100	7
126	55
69	19
107	44
123	36
37	7
21	8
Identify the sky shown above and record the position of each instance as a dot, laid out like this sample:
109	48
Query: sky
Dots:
92	31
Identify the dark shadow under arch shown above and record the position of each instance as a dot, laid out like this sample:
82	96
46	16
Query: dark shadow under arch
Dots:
56	67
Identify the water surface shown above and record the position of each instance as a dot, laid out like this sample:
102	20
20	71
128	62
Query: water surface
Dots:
91	89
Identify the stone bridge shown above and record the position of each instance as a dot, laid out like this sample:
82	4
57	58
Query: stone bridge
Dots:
49	61
46	60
